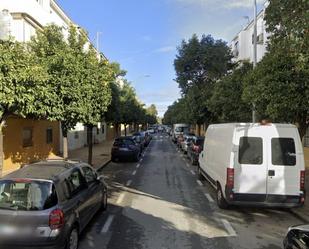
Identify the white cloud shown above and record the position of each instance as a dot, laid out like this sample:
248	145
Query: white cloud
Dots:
165	49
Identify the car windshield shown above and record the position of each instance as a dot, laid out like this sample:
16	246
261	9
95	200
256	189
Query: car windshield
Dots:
27	195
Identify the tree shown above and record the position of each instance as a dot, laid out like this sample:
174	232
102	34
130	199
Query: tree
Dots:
152	110
280	89
23	88
199	64
64	61
279	84
176	113
226	102
96	92
201	61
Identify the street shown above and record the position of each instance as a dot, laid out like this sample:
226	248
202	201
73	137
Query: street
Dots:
160	203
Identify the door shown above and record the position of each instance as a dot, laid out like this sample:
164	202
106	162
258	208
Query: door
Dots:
94	192
250	165
283	166
78	195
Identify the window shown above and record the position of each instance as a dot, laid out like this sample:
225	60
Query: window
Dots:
89	174
49	135
27	137
250	150
283	151
75	182
27	195
76	135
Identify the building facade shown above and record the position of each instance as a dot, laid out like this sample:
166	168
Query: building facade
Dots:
242	45
44	137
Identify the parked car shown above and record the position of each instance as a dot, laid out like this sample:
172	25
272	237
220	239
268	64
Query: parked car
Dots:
125	148
195	148
186	142
297	237
148	138
48	204
254	164
140	138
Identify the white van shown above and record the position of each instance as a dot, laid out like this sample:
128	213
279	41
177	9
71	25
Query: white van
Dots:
254	164
179	129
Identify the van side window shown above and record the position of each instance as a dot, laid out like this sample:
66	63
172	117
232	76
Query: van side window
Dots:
250	150
283	151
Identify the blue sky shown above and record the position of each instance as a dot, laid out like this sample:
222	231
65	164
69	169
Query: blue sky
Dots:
142	35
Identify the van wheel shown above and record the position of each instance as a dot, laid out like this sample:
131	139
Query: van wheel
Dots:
220	199
72	242
136	157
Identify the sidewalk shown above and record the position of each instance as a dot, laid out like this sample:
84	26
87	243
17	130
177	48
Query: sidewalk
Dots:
303	212
101	154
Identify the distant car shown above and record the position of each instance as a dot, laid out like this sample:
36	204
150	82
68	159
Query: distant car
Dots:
195	148
186	142
148	138
48	204
297	238
151	131
125	148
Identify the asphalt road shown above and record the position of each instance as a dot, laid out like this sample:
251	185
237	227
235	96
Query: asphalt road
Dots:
158	203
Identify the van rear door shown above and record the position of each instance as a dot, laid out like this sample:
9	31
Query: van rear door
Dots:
250	165
284	166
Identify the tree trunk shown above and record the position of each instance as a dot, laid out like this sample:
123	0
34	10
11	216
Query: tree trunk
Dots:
199	129
65	152
90	143
125	130
302	129
1	149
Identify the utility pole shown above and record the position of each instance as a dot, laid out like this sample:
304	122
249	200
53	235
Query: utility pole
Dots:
254	54
98	41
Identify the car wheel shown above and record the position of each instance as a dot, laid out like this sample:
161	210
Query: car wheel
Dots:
136	157
104	201
73	239
113	159
220	199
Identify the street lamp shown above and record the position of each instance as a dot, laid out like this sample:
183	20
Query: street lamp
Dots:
254	53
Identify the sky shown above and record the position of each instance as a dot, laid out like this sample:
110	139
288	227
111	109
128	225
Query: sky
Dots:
143	35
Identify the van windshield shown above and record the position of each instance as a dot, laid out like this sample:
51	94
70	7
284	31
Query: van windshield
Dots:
27	195
283	151
250	150
182	129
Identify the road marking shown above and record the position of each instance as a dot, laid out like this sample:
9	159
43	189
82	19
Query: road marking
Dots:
228	227
192	172
141	160
134	173
209	198
138	165
107	224
120	198
128	182
199	182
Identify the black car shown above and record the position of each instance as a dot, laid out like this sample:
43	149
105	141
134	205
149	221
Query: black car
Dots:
195	148
297	237
125	148
48	204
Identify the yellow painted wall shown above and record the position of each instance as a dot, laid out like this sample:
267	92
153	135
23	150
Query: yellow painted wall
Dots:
15	154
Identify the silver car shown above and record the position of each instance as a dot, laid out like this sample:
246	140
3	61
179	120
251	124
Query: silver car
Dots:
48	204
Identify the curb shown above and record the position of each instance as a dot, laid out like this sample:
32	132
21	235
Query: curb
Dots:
103	165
